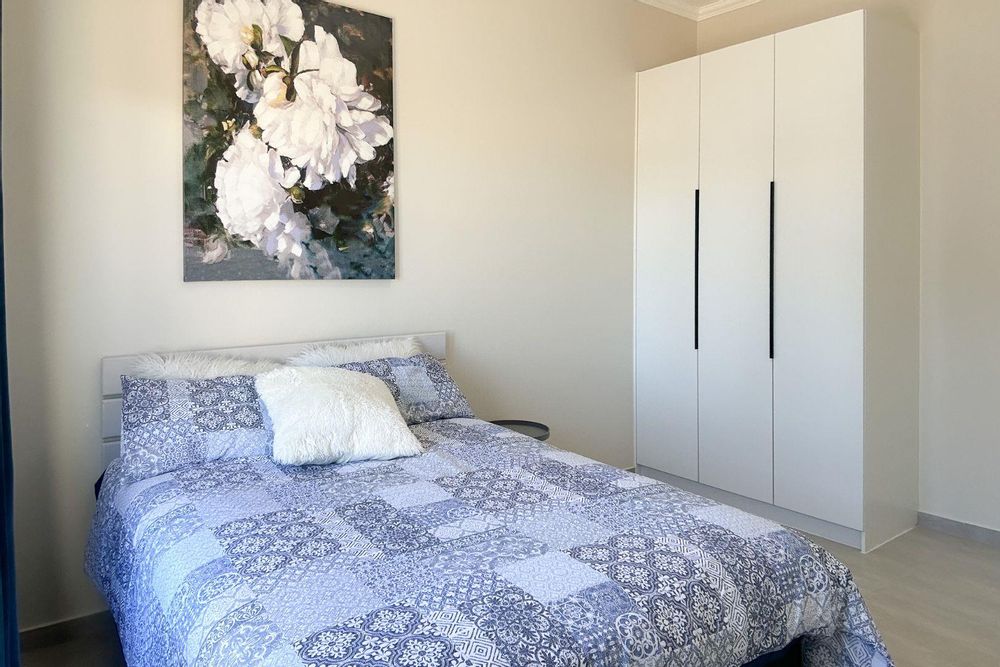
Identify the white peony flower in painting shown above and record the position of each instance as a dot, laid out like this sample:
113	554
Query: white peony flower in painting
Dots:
326	124
288	141
253	200
287	242
235	31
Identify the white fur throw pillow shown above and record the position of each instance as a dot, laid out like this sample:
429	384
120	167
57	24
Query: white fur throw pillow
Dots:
197	366
332	415
348	353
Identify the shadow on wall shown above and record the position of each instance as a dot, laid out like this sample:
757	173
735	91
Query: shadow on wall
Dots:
40	477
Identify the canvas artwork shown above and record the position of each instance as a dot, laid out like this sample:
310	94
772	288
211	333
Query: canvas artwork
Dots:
288	141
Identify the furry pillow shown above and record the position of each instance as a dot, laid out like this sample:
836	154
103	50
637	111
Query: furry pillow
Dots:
332	415
197	366
337	355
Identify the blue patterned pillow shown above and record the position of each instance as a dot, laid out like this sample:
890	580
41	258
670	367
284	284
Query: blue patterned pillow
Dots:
168	424
423	390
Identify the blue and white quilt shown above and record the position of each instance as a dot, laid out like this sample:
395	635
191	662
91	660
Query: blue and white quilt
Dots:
489	549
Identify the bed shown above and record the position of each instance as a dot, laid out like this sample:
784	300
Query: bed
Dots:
490	548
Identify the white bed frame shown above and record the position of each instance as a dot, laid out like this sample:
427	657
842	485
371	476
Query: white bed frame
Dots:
112	369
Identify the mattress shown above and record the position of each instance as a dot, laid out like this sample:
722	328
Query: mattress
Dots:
489	549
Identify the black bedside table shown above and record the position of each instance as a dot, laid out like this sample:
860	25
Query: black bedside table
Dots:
532	429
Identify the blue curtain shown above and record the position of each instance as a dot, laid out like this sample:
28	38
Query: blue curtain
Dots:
10	647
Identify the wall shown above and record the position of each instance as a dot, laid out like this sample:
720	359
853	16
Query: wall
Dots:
515	126
960	234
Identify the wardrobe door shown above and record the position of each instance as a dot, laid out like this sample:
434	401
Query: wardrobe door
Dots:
737	149
666	362
819	270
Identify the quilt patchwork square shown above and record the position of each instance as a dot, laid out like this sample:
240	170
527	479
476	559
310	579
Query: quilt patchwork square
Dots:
550	576
473	645
317	599
213	585
591	615
384	637
440	513
391	530
583	480
502	453
490	490
237	504
451	591
561	529
740	523
484	551
429	467
379	475
409	495
466	527
217	477
522	628
263	544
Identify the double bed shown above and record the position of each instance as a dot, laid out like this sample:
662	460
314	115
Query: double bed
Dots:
490	548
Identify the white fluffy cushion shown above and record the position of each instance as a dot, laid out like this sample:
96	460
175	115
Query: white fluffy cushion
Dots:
332	415
197	366
349	353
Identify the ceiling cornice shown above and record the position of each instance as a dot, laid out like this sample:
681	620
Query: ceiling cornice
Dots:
699	12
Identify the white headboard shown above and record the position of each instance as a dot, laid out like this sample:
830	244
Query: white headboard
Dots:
112	369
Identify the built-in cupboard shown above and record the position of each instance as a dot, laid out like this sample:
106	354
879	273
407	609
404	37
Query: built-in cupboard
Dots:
777	259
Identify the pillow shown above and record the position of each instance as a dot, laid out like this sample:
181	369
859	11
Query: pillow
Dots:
168	424
346	353
421	386
332	415
197	366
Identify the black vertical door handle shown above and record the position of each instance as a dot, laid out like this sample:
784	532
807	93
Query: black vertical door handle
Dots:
771	278
697	259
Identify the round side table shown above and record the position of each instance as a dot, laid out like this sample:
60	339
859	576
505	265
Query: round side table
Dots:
534	430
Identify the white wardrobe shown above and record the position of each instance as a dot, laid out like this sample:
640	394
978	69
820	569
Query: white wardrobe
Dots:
777	286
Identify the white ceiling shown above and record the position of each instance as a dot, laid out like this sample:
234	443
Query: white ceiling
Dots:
699	10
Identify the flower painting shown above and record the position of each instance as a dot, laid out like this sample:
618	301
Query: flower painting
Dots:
288	141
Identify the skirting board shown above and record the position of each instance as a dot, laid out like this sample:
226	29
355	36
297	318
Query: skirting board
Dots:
807	524
966	531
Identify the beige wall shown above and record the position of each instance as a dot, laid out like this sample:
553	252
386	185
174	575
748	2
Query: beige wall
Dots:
515	138
770	16
960	234
515	169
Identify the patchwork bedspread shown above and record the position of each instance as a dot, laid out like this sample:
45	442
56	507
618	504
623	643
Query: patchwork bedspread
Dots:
490	549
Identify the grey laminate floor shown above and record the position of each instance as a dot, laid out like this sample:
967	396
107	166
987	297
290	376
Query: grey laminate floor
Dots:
94	644
936	599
